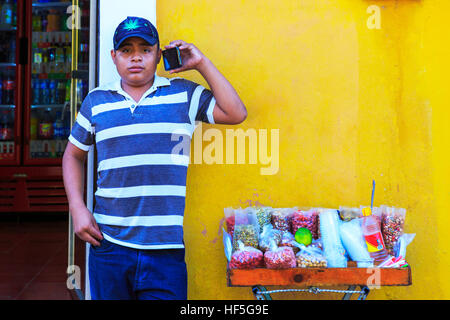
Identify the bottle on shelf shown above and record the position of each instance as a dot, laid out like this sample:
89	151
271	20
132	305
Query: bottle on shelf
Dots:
45	92
45	126
35	85
58	126
373	236
52	89
6	126
7	14
8	89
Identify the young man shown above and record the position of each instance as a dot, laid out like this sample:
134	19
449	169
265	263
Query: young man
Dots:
136	229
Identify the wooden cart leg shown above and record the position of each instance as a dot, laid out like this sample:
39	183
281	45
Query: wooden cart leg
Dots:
348	295
258	291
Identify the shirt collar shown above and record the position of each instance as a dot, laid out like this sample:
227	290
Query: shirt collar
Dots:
157	82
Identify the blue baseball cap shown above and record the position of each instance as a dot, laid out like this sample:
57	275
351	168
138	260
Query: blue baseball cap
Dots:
135	27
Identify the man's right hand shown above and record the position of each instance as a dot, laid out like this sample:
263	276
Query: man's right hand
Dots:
85	226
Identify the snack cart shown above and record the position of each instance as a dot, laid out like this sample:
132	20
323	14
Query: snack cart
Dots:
315	279
316	250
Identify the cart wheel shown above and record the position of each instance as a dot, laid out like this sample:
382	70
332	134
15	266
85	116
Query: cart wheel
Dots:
259	294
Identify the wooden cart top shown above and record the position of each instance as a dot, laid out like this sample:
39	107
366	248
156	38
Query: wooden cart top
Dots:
319	277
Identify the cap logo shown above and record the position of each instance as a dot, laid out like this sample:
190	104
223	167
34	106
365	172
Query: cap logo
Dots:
131	25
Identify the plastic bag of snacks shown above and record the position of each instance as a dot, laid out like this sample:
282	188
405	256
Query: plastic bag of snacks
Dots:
288	240
268	235
246	258
392	223
264	216
280	218
348	214
305	219
400	247
279	257
246	229
353	240
229	220
310	257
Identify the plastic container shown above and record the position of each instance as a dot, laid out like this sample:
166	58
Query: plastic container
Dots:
333	249
353	240
373	237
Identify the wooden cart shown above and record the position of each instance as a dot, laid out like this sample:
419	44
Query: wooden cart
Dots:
314	278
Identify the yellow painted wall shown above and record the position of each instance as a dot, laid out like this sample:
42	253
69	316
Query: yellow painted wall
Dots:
351	104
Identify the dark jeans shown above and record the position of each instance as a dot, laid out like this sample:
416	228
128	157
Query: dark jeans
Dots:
122	273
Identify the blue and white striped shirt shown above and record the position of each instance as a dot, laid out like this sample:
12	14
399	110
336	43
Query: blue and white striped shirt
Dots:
141	185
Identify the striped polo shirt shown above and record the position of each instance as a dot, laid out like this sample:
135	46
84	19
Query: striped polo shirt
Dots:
142	158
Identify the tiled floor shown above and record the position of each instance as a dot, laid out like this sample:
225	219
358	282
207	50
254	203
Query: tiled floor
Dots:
33	260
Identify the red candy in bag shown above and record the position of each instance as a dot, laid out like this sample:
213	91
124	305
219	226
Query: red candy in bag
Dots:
246	258
280	258
305	219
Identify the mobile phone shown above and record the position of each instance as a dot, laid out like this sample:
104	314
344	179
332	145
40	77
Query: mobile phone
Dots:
172	58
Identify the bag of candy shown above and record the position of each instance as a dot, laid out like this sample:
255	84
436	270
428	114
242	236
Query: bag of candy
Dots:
268	235
229	220
246	258
280	218
305	219
246	229
310	257
279	257
392	223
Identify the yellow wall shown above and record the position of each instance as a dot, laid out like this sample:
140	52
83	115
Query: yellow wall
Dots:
352	104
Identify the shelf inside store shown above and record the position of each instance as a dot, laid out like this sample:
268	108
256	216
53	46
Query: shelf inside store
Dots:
46	106
51	4
7	64
6	27
7	106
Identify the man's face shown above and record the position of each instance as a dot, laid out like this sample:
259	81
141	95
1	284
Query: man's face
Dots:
136	61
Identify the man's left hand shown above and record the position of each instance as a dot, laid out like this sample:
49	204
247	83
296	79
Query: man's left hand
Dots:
191	56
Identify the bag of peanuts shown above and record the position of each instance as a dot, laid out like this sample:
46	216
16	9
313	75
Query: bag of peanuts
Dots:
279	257
246	229
246	258
305	219
310	257
392	224
264	216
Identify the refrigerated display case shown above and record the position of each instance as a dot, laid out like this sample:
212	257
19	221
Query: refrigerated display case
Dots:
11	31
44	62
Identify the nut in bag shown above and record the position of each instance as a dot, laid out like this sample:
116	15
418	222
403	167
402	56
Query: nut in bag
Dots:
246	229
392	224
280	218
246	258
310	257
279	257
305	219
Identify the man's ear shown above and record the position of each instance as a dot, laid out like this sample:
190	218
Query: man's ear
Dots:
113	55
158	59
